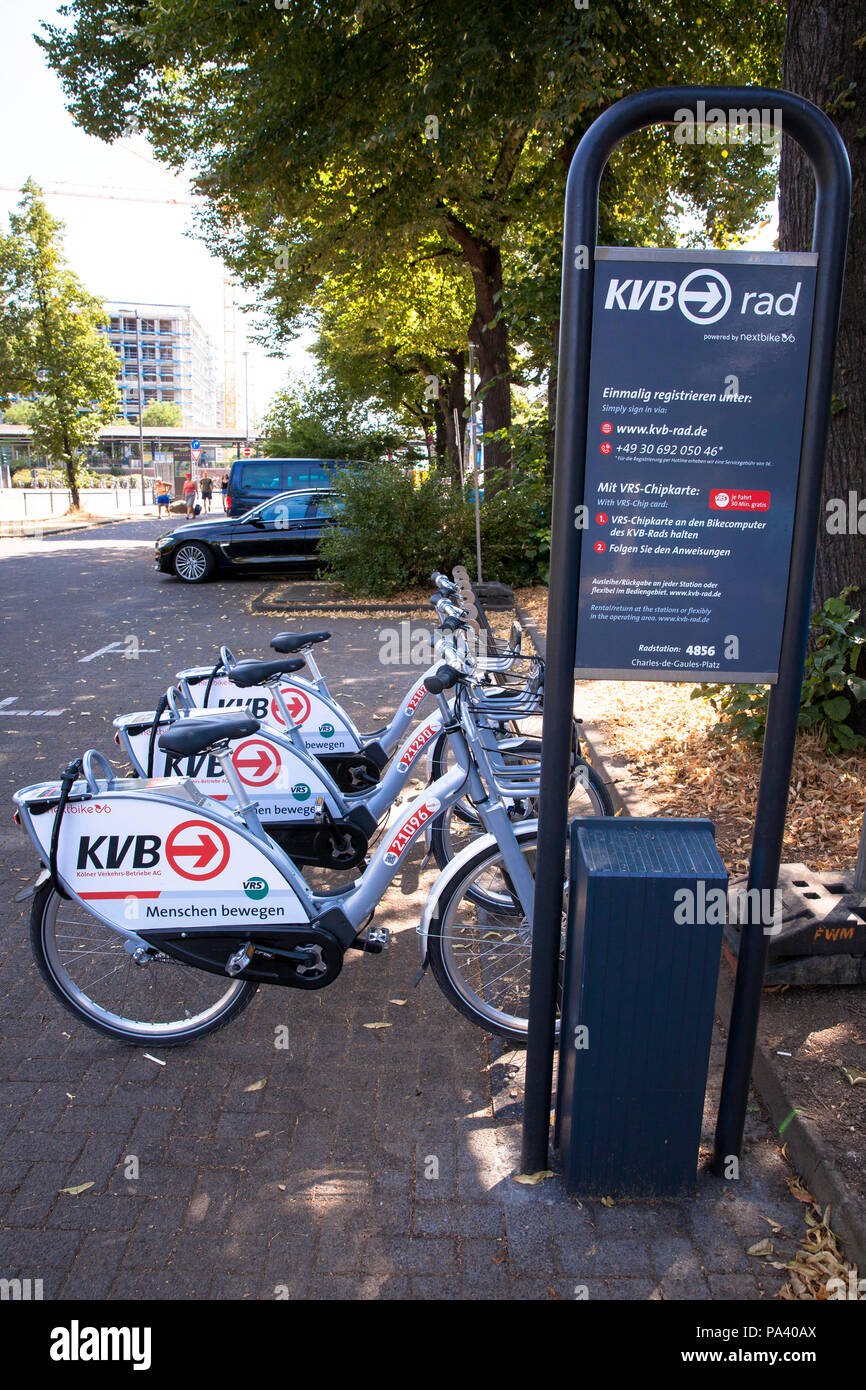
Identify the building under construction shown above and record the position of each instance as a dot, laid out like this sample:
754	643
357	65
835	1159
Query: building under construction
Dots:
165	355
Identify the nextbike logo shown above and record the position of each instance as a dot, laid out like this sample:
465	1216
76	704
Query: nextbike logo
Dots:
703	297
415	747
255	888
409	829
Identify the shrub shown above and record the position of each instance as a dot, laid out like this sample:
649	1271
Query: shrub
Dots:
833	695
394	530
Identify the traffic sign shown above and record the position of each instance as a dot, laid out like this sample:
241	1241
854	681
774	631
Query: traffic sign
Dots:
195	444
247	452
197	849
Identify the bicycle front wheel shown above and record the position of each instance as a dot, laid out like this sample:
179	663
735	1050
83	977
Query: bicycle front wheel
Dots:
157	1001
480	943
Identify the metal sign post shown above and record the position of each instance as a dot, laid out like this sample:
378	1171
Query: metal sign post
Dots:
473	449
820	140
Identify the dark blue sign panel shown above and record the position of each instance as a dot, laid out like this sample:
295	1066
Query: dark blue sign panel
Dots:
697	384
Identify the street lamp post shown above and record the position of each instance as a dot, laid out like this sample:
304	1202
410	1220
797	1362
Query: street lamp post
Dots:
247	395
140	402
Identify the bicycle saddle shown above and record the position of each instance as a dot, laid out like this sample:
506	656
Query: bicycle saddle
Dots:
297	641
188	736
247	673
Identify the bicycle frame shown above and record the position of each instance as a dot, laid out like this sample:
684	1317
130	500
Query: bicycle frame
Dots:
286	781
254	885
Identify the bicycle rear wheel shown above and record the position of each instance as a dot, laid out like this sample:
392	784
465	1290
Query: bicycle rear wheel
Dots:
157	1002
480	943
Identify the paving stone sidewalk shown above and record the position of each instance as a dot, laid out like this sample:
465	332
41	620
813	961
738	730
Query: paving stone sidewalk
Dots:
373	1163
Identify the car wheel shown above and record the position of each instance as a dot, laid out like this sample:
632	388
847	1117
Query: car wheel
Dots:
193	563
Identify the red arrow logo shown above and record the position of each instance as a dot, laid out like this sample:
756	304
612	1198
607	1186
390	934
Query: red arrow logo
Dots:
204	851
257	763
207	844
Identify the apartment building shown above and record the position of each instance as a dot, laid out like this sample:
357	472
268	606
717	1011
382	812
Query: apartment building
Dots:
165	348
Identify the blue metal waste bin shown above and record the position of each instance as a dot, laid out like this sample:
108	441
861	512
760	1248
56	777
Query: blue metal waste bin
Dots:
647	903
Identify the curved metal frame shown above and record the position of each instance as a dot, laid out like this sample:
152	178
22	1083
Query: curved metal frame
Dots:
820	140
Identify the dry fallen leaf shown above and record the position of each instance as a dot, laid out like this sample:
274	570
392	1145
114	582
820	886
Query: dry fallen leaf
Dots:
74	1191
376	1025
532	1179
796	1189
607	1202
854	1075
257	1085
761	1247
396	1001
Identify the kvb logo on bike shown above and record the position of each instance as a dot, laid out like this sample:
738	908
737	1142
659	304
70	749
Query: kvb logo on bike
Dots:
257	762
197	849
410	828
297	703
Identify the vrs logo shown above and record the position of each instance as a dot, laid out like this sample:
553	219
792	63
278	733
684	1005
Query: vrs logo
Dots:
326	730
703	297
255	888
300	791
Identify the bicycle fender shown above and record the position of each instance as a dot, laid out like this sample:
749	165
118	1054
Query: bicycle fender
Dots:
524	831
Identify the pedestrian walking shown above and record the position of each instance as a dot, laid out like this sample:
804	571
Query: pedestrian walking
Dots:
189	491
163	499
206	492
224	488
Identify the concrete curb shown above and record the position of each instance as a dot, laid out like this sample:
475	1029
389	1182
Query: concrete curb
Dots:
808	1152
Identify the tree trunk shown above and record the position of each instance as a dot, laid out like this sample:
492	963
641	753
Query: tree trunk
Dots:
823	62
489	332
70	464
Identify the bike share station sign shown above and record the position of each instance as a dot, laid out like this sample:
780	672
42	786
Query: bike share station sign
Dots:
697	384
693	400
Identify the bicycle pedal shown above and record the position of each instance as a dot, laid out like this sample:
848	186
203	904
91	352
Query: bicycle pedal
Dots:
378	939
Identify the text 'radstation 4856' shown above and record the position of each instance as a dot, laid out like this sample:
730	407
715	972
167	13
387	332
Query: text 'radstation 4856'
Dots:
697	383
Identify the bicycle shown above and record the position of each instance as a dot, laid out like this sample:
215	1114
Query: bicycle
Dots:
176	894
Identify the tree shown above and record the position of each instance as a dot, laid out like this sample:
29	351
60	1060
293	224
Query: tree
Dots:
825	60
316	419
162	413
394	334
19	413
325	135
50	344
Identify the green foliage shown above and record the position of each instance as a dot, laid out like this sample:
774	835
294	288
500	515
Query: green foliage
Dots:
22	477
394	530
162	413
341	146
50	342
832	696
324	419
19	413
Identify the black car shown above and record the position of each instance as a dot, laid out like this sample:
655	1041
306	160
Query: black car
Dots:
280	534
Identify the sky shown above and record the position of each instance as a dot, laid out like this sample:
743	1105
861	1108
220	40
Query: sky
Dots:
121	249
